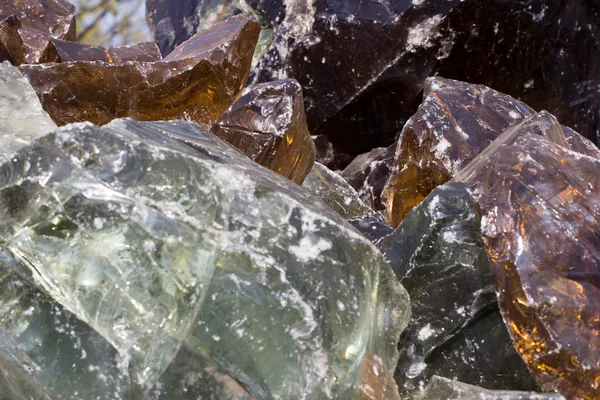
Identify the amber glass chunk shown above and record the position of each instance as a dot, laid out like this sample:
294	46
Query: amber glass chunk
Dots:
199	81
11	44
269	126
455	122
73	51
541	211
36	23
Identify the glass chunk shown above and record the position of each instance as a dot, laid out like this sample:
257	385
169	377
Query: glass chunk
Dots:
540	216
445	389
269	126
368	174
455	123
335	192
199	81
46	352
22	118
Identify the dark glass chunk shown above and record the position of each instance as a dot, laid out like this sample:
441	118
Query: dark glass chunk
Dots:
174	22
519	48
456	329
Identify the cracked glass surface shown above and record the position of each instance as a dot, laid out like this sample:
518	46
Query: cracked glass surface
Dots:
195	250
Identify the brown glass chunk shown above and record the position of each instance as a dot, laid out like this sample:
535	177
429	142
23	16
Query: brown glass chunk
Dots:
11	44
73	51
455	122
199	82
40	22
541	211
269	126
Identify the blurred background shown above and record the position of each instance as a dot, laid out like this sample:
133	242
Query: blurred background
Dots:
111	23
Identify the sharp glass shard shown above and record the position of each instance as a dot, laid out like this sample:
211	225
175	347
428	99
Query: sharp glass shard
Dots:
164	248
335	192
174	23
440	258
269	126
203	77
167	19
540	211
455	122
73	51
22	118
37	23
